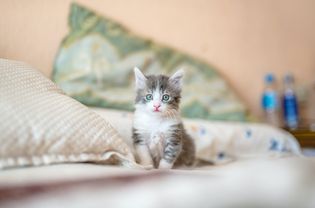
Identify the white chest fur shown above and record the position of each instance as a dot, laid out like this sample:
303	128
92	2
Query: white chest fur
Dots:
154	129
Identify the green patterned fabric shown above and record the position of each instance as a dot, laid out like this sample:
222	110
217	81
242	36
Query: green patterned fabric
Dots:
95	65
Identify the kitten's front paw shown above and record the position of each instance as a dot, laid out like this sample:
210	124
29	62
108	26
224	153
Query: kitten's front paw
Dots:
148	167
165	165
146	162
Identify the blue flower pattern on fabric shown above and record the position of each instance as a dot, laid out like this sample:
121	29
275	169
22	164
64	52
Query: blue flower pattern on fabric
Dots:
202	131
248	133
221	155
275	145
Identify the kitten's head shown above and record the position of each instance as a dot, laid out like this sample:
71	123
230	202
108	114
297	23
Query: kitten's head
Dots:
158	94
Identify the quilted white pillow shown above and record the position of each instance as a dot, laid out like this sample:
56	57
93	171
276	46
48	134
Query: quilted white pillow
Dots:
40	125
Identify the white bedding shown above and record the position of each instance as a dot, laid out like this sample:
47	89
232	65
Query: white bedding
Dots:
221	142
267	171
282	182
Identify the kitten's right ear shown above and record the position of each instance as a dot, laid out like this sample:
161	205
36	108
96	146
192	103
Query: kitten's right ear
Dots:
176	79
140	79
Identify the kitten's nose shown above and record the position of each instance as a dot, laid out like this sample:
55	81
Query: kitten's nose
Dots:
157	105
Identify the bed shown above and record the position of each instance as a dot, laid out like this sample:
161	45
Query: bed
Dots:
56	152
258	174
282	182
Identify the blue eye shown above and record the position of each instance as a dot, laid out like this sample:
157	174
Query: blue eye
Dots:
166	98
149	97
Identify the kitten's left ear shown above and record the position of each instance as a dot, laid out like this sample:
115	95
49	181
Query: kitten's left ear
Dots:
176	78
140	78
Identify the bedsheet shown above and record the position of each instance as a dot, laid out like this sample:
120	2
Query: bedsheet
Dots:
267	171
269	182
221	142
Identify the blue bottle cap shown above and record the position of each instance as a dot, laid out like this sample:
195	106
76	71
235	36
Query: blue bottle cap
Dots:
269	78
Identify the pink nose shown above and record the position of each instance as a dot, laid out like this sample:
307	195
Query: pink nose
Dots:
156	105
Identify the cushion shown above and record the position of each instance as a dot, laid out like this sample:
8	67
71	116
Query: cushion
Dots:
95	60
40	125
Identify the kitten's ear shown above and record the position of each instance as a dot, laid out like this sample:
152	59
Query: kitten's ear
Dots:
140	78
176	78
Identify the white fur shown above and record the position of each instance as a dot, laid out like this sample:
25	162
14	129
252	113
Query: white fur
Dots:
165	165
154	128
145	156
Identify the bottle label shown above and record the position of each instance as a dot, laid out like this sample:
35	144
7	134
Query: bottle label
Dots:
269	101
290	110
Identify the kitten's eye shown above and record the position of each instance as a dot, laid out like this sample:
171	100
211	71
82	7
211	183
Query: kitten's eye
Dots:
149	97
166	98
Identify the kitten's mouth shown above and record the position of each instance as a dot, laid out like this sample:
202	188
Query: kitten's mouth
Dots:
156	110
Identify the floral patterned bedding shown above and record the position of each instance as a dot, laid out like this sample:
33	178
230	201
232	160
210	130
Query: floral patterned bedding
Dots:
221	142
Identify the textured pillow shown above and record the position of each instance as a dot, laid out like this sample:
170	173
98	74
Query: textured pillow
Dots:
40	125
95	61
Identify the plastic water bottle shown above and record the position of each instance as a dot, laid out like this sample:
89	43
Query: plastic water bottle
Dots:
311	107
290	104
270	101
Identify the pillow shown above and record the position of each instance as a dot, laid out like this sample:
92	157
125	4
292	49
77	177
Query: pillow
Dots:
40	125
95	60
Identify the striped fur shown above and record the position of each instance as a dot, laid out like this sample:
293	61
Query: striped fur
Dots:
159	137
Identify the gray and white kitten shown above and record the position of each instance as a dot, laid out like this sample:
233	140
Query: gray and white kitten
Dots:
159	136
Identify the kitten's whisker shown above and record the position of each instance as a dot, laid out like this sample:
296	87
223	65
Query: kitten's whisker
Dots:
173	114
166	114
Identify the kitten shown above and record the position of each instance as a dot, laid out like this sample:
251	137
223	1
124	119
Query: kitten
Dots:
159	136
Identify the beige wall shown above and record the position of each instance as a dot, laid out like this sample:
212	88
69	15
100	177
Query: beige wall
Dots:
244	39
